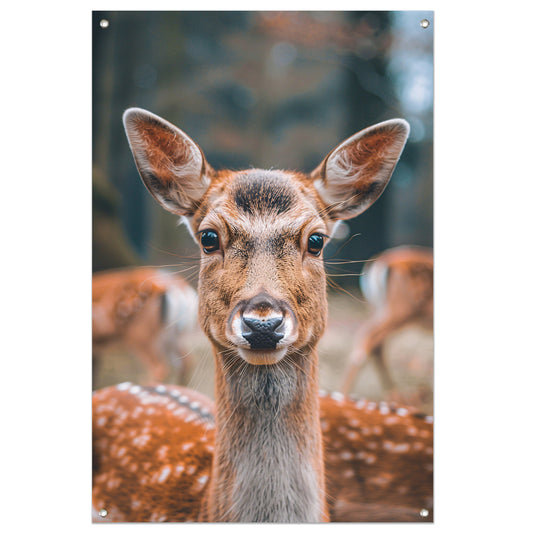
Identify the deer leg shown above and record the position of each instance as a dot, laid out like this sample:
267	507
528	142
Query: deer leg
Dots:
357	359
371	339
364	346
383	369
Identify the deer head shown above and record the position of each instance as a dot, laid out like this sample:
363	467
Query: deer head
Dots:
262	284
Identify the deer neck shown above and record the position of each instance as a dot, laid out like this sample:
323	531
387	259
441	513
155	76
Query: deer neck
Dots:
268	462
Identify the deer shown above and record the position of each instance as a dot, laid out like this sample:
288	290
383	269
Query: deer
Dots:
398	285
147	310
263	307
153	450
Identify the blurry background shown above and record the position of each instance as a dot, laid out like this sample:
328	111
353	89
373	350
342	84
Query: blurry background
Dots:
267	89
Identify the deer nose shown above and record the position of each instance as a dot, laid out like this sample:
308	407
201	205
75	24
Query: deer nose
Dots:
261	333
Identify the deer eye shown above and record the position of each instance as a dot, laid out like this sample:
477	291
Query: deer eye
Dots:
315	243
209	240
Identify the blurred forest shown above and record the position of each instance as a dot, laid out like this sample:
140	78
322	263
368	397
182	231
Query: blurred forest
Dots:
269	90
261	89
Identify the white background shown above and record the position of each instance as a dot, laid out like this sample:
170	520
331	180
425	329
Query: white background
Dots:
483	193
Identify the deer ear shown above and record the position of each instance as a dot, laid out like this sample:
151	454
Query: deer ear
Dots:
355	173
171	164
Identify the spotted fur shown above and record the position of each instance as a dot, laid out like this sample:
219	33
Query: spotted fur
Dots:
379	460
153	450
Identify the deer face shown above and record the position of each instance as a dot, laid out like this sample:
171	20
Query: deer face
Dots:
262	281
262	286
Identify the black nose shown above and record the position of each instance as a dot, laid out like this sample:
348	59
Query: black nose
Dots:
262	334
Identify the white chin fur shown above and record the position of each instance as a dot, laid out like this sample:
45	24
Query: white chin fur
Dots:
262	357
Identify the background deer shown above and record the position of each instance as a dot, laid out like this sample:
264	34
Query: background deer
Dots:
262	296
154	446
398	284
147	311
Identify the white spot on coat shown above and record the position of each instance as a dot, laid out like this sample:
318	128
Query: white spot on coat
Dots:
187	446
121	451
162	452
379	481
395	448
337	396
390	420
165	471
201	481
141	440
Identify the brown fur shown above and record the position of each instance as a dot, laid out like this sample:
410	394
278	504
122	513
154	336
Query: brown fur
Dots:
243	269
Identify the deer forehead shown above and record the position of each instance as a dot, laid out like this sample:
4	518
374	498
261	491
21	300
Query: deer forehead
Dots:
264	192
263	204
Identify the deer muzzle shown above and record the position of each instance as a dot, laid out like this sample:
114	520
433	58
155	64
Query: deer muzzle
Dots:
263	328
262	333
